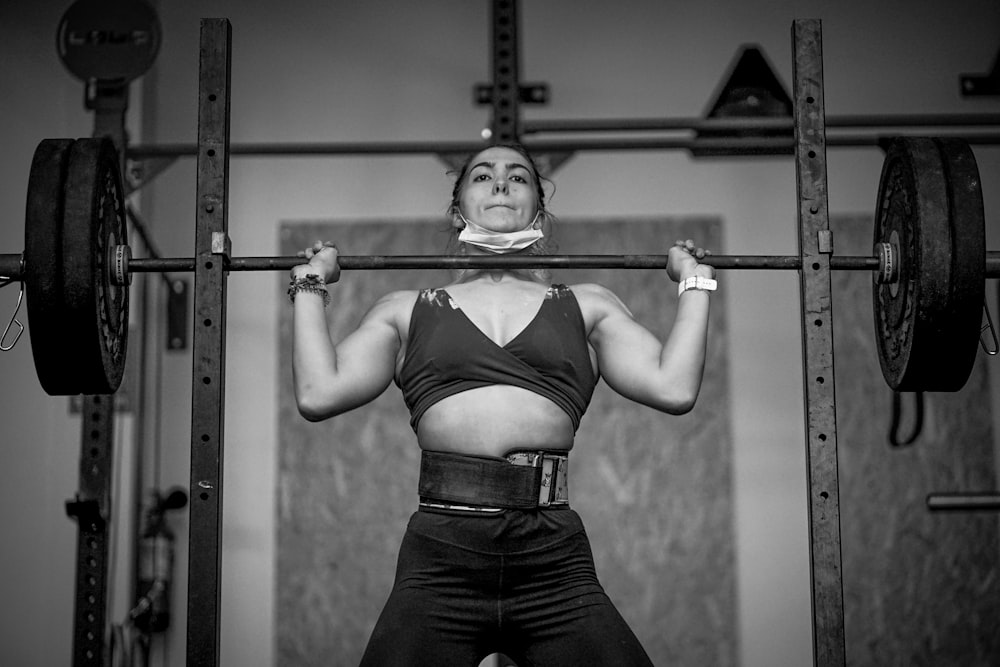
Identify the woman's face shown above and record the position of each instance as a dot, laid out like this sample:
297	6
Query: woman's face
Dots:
499	191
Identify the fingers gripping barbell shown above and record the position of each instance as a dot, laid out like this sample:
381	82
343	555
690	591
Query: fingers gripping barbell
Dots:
929	265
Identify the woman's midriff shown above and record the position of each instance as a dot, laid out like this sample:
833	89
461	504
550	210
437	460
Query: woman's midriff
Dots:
493	420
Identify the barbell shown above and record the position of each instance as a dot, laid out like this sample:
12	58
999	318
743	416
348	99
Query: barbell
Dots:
929	265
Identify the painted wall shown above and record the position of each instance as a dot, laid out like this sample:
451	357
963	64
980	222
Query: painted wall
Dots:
380	70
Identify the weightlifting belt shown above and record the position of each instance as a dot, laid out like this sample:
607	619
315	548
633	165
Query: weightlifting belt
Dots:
520	480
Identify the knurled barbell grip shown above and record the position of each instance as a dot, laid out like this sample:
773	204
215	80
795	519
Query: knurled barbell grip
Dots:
393	262
396	262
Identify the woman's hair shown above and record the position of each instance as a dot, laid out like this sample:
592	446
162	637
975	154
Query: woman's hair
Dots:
544	246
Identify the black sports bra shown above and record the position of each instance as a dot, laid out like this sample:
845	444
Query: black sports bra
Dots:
447	354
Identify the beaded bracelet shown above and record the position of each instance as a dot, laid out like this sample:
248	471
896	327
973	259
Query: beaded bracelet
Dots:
309	283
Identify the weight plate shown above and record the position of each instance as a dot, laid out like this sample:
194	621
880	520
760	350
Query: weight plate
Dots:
93	225
930	208
43	265
968	275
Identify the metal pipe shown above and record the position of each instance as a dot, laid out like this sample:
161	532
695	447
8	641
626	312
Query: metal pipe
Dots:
964	502
733	146
381	262
10	263
750	124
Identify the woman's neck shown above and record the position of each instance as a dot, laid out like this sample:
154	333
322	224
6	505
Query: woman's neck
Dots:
497	275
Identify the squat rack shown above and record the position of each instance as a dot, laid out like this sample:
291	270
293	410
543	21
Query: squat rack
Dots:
212	263
208	376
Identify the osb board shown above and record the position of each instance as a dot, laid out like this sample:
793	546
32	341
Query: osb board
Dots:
921	588
654	491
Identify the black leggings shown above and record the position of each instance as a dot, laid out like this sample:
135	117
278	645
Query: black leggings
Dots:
521	583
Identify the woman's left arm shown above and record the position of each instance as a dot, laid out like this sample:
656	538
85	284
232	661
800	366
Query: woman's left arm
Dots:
665	375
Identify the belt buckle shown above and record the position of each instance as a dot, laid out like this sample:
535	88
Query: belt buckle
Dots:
554	487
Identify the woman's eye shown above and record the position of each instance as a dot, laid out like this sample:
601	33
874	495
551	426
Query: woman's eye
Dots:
481	177
519	179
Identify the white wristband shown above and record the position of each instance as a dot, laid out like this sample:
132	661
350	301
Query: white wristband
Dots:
697	283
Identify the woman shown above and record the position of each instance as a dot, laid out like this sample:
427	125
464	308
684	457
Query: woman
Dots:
497	369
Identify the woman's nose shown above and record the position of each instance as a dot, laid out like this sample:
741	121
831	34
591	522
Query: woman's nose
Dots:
500	186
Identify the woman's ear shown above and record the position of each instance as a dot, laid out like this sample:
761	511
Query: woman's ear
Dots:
456	218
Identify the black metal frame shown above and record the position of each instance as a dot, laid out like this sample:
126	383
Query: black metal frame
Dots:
91	507
815	248
209	346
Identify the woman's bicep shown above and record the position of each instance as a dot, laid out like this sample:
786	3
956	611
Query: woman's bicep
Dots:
359	370
628	354
636	363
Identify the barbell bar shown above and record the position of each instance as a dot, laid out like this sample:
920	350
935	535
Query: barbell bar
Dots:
929	264
11	264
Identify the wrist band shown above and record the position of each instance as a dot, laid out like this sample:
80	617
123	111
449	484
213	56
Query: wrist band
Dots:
697	283
309	283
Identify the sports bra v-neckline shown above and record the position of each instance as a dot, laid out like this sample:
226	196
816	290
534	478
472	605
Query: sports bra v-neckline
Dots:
549	356
465	318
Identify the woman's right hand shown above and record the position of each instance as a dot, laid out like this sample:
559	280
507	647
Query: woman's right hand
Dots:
321	260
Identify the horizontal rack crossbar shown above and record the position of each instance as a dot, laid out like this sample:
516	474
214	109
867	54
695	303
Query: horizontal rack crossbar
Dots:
744	146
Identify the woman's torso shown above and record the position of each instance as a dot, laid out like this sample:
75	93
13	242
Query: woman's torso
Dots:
494	419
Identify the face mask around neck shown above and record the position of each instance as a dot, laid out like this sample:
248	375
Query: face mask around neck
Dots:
500	242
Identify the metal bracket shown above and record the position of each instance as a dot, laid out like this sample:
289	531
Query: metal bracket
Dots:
221	244
529	93
824	242
979	85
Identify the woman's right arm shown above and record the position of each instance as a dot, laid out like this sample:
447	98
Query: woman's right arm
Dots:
333	378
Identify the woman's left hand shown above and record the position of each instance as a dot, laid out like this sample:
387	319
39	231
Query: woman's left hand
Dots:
682	261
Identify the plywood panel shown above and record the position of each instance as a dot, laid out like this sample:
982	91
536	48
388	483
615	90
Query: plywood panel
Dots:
920	588
654	491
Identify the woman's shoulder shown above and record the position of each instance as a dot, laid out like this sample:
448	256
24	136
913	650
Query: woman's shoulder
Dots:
593	293
597	300
394	304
